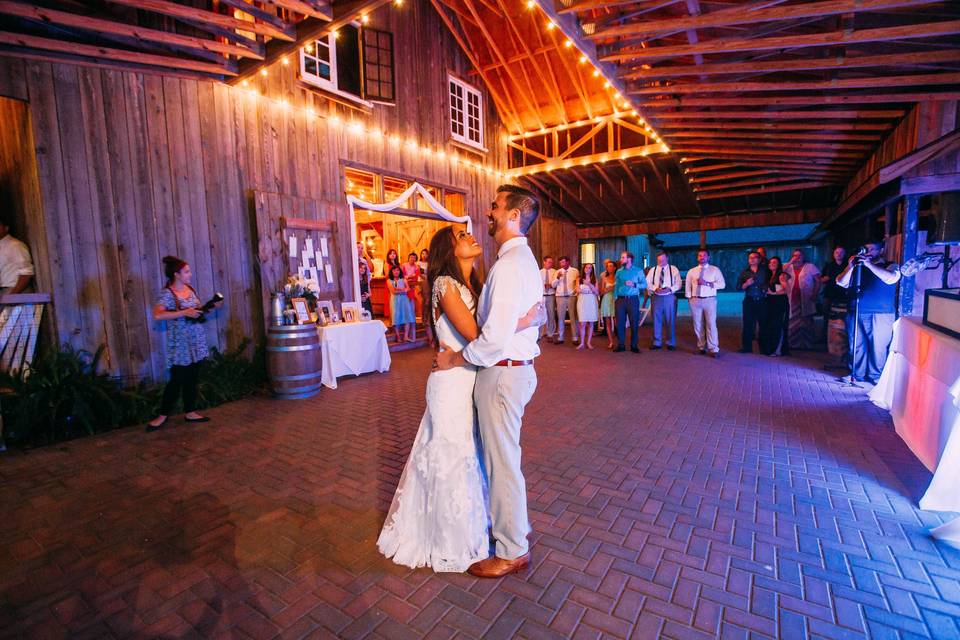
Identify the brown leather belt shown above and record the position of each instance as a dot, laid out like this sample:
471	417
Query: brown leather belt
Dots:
513	363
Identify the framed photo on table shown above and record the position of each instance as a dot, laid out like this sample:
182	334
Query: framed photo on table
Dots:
303	310
325	312
350	311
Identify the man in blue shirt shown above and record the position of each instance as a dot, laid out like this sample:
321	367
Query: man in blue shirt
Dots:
629	282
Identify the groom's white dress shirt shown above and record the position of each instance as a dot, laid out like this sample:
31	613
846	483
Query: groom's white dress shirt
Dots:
514	282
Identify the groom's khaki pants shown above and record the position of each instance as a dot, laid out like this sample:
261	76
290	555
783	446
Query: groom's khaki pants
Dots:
501	393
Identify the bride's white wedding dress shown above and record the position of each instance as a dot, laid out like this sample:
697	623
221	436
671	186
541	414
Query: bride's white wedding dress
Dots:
439	516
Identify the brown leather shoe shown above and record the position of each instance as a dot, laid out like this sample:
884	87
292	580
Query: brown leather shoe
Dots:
494	567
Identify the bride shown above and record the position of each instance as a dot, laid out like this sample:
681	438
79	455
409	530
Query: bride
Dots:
439	516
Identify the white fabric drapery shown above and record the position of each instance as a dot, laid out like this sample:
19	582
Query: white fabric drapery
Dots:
399	202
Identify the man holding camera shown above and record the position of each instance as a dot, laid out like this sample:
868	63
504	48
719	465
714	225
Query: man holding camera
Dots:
876	303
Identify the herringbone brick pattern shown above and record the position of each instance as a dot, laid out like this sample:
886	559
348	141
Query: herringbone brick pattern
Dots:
671	496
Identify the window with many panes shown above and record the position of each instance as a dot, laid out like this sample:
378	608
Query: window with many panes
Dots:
378	65
466	113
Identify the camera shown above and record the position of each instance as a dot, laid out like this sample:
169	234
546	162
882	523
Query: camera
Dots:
207	307
862	252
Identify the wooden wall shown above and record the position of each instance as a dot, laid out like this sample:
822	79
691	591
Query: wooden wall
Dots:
554	236
133	167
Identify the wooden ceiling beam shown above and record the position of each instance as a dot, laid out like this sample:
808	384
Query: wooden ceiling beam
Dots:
801	101
860	114
799	41
591	216
832	63
764	161
776	135
203	17
493	46
871	82
309	8
733	175
100	63
739	15
664	183
812	184
772	143
587	5
775	126
539	187
640	193
567	163
757	182
786	151
269	20
141	34
121	55
504	106
597	197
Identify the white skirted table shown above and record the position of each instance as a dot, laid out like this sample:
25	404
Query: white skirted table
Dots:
920	386
353	348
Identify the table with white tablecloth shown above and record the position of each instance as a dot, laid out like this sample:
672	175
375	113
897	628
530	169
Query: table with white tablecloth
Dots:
920	386
352	348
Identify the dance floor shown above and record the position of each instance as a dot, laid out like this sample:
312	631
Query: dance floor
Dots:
671	496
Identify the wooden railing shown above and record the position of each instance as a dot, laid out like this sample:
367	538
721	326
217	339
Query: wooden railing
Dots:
20	316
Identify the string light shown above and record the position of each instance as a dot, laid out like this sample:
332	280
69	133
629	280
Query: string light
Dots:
365	18
285	61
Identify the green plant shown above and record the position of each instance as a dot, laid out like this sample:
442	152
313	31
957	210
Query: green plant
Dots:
61	396
225	377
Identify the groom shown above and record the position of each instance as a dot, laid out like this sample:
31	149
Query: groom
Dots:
506	380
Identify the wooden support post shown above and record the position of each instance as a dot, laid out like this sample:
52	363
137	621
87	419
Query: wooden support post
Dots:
909	230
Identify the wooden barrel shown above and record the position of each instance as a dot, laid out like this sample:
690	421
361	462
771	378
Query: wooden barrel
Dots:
293	360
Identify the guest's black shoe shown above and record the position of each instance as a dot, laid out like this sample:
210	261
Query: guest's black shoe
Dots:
745	351
655	347
703	352
619	350
669	348
155	427
200	419
634	350
715	355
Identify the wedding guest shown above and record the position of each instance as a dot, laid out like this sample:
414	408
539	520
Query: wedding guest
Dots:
628	287
179	306
608	311
547	276
587	315
365	300
402	306
764	260
664	281
565	285
835	300
774	339
424	262
753	282
363	257
393	260
411	271
878	306
16	267
804	286
702	284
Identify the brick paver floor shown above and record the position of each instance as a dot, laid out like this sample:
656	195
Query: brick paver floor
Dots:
671	496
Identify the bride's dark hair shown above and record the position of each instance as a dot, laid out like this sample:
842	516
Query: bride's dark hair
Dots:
443	262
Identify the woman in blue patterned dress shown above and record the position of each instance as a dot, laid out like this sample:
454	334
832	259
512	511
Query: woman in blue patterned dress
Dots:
179	305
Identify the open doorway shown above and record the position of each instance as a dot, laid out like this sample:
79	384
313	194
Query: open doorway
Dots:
406	229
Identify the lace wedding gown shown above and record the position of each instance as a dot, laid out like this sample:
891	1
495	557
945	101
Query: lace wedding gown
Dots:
439	516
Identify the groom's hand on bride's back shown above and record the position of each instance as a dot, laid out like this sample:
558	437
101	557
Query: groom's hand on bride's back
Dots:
446	358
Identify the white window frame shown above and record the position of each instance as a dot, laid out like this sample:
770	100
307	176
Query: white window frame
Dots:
315	80
468	91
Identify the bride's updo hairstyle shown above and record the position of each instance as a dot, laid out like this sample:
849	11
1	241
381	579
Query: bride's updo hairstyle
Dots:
443	262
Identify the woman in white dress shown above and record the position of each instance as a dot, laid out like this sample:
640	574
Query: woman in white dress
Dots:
439	516
587	309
